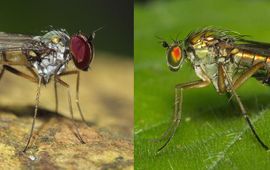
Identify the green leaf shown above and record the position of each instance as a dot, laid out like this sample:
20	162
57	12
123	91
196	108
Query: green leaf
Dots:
212	133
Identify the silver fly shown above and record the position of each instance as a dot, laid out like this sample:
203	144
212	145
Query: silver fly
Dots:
46	57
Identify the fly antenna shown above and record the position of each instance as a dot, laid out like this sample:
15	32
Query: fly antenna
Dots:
92	36
162	41
177	37
172	39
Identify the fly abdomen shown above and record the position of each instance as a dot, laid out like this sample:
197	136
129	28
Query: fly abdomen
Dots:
245	60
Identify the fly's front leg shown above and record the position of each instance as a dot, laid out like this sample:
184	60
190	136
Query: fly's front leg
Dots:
77	73
35	115
237	83
178	107
64	84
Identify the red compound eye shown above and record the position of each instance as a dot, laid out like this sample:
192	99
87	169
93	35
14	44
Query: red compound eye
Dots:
82	51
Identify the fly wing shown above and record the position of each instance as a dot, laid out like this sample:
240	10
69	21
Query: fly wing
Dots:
255	47
10	42
16	48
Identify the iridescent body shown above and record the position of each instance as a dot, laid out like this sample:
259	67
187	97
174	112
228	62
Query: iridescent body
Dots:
206	48
223	58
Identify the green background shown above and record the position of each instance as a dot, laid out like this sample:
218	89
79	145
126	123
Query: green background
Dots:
32	16
212	134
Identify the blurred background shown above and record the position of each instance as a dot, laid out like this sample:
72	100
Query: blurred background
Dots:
212	134
106	90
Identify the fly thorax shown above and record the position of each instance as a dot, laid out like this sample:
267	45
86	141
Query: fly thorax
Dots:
205	61
205	55
55	59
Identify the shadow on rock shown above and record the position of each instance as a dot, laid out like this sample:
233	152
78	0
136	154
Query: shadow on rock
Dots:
28	111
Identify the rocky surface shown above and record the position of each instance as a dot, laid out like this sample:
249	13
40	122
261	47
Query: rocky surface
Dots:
106	97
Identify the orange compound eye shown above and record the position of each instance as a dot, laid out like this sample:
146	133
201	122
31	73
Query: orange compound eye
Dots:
176	54
174	57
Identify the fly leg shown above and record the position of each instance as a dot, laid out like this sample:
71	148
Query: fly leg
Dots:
34	79
55	95
222	86
237	83
21	74
77	73
178	107
35	115
70	108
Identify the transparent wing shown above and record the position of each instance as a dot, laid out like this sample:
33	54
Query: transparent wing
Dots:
255	47
10	42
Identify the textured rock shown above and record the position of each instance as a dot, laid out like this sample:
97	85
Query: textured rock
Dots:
107	102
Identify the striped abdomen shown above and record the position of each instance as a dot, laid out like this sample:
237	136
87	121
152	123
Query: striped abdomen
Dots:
245	60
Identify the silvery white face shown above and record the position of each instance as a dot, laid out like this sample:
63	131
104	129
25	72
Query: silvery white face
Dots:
55	61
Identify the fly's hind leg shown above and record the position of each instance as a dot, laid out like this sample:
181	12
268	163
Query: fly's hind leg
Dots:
64	84
34	78
178	107
237	83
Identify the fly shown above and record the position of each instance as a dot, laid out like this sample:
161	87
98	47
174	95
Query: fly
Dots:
46	57
223	58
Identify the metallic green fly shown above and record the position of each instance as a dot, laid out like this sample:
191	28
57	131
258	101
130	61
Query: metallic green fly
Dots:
223	58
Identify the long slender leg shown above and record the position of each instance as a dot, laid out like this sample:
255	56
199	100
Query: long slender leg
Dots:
34	79
174	117
70	107
178	107
77	91
21	74
56	95
35	115
30	69
236	84
240	80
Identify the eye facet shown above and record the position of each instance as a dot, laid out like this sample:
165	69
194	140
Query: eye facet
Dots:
82	51
174	56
